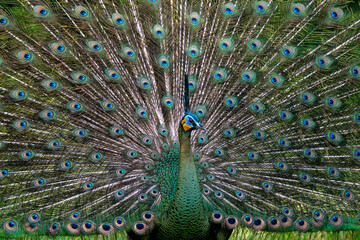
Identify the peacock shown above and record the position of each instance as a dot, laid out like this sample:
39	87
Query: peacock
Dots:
176	119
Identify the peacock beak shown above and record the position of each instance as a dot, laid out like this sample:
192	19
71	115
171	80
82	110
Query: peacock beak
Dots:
200	125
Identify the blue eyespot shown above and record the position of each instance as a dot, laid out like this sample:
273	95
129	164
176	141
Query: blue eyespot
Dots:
287	52
11	224
296	10
194	20
130	54
96	47
140	226
119	20
228	10
257	222
273	221
3	21
106	227
83	13
253	45
43	12
334	14
301	222
74	225
260	8
321	61
27	55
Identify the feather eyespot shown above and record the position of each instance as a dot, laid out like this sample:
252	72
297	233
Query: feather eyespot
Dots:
50	85
301	224
4	21
73	228
82	12
80	133
323	62
220	75
228	9
267	186
297	9
229	132
259	134
285	115
142	197
336	14
19	94
240	195
66	165
3	173
252	155
261	7
274	223
220	152
21	125
41	11
88	226
27	155
106	228
25	56
140	228
10	226
356	154
257	107
131	154
119	222
193	51
201	111
194	19
248	76
248	220
39	182
231	101
87	186
310	154
142	112
283	167
118	195
288	212
254	45
96	157
307	97
333	172
128	52
164	62
259	224
276	80
305	178
54	144
154	192
108	105
355	71
307	123
54	228
333	102
348	195
118	20
336	220
334	137
217	217
158	31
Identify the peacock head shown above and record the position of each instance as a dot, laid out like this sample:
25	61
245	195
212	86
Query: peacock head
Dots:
189	121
